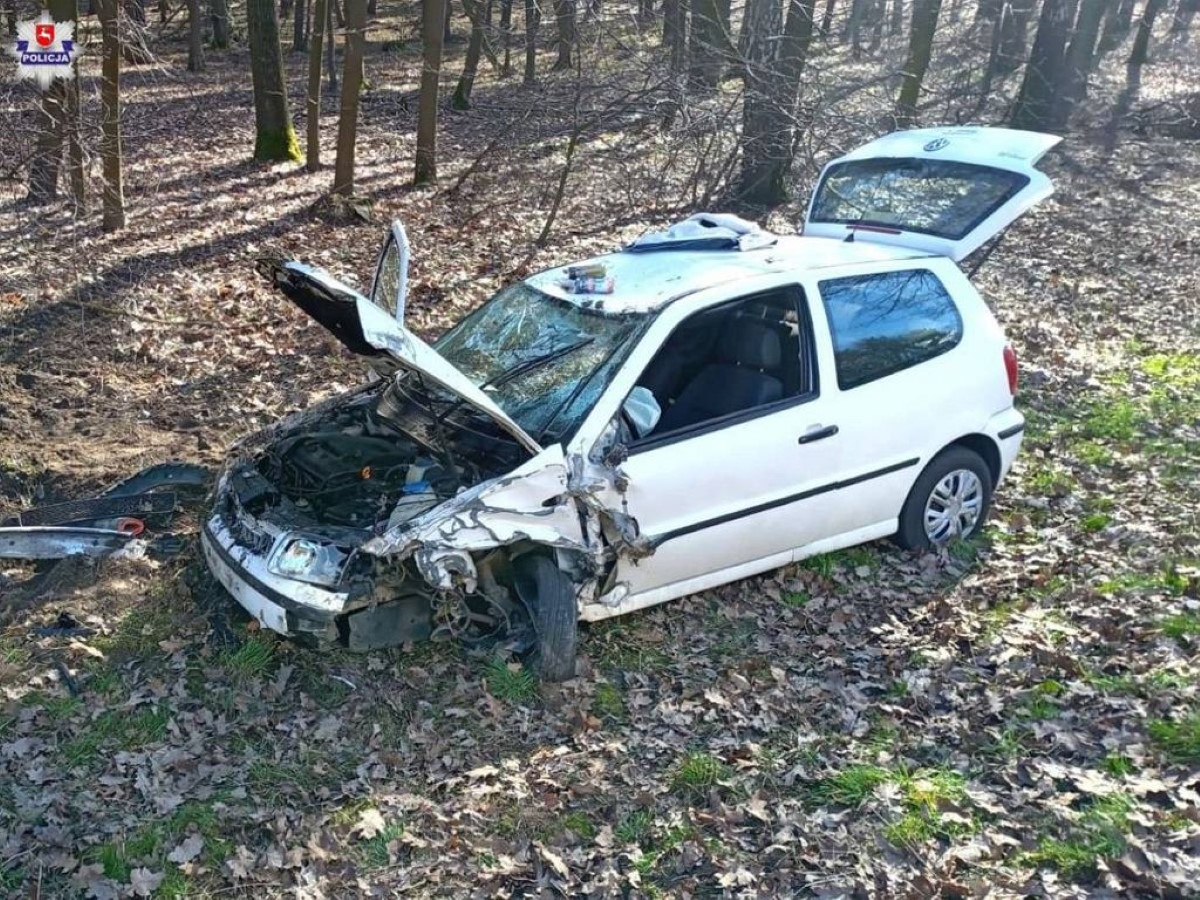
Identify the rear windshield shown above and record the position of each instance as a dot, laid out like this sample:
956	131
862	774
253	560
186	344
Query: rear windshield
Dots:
929	196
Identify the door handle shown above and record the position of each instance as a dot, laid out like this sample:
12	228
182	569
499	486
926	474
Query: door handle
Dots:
817	433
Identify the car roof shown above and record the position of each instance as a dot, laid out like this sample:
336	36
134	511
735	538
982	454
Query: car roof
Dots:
649	280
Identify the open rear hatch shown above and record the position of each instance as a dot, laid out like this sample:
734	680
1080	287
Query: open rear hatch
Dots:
368	330
942	190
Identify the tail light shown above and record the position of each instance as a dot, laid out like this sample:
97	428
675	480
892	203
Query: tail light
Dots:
1010	368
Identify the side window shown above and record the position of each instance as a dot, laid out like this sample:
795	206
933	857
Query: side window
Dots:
723	361
886	322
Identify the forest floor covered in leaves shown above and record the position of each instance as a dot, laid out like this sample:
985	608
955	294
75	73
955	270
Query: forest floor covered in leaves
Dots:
1019	717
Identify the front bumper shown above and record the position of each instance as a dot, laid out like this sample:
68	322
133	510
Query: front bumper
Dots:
280	604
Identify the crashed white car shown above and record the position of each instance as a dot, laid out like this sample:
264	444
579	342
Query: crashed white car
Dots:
705	404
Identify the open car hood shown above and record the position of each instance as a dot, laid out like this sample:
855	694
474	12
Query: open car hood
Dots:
365	329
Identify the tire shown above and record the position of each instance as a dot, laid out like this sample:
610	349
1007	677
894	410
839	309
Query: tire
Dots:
913	532
549	597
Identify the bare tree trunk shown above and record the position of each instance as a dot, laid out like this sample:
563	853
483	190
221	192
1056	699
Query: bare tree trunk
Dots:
110	116
506	36
564	15
711	48
432	18
313	97
356	26
1014	31
75	167
219	11
774	64
331	45
920	49
1117	24
1141	44
827	19
43	169
532	16
195	61
1036	104
1080	54
274	137
897	23
10	15
52	123
447	34
136	10
299	36
480	14
1181	24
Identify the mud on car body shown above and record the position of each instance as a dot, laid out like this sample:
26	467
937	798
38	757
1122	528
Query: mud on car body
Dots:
710	402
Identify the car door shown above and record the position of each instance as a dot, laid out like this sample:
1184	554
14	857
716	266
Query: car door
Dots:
723	497
941	190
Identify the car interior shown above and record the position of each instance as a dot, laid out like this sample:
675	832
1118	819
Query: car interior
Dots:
729	359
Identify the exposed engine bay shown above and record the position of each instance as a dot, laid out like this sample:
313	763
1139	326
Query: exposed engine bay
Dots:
308	495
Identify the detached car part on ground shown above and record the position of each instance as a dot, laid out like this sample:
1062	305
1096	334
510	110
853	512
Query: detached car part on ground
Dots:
709	403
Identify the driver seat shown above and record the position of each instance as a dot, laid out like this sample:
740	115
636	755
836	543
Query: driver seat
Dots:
742	375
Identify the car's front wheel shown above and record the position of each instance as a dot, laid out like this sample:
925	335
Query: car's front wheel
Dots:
548	595
950	499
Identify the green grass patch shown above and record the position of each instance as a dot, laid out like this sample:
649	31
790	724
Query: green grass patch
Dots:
698	773
635	827
253	659
1095	522
1117	420
1181	625
608	701
1119	765
373	852
580	824
1092	453
1179	740
1176	369
1099	833
1051	480
796	599
849	787
116	729
1169	579
512	683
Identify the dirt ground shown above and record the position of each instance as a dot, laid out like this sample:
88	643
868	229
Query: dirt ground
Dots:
1017	718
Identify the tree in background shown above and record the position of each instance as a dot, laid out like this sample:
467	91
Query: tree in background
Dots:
480	14
356	26
58	117
313	96
920	49
299	31
195	61
1081	54
532	20
433	14
1117	25
1140	53
711	47
564	16
774	65
274	137
218	10
110	115
1037	105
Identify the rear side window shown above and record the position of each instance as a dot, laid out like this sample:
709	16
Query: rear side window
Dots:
886	322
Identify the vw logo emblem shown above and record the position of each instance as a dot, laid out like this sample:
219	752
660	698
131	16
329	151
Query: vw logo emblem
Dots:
936	144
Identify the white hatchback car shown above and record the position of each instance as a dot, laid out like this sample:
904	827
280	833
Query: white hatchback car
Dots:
705	404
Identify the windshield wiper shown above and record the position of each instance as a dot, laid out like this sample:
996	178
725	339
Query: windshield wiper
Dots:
535	363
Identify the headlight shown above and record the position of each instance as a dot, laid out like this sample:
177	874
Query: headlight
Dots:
305	560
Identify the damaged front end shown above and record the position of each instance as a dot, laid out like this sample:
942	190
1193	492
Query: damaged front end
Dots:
420	504
343	524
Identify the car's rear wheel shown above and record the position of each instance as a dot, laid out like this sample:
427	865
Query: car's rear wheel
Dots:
548	595
950	499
